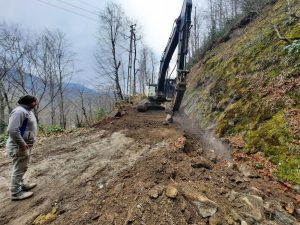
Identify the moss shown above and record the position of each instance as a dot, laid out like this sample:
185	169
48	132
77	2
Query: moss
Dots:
271	137
43	219
242	116
288	168
234	71
294	32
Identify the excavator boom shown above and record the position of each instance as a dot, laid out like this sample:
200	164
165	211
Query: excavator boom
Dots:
179	38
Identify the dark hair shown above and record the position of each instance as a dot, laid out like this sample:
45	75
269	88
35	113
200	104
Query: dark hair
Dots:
27	100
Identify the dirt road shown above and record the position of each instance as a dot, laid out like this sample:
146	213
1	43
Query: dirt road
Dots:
134	170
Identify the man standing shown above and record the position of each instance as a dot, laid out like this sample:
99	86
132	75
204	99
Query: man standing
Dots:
22	130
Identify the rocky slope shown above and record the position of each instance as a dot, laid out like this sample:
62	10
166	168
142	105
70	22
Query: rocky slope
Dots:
135	170
248	88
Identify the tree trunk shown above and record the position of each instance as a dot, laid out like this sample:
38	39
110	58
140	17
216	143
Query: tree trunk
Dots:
2	112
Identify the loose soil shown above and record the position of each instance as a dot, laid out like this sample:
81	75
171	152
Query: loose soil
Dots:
121	170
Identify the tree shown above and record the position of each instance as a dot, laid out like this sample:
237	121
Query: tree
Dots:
10	55
63	59
111	42
144	74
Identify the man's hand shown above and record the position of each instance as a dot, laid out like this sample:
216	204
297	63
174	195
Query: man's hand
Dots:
23	147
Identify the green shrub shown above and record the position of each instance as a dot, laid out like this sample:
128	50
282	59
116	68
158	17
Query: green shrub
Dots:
293	48
3	139
54	129
100	113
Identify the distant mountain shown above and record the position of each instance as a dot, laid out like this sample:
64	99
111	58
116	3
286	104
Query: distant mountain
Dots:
31	81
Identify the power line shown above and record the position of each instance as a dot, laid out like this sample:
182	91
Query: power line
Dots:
67	10
87	3
77	7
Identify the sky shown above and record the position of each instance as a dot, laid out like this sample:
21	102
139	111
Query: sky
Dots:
155	16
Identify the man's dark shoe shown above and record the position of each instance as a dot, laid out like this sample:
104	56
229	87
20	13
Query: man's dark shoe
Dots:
21	195
26	187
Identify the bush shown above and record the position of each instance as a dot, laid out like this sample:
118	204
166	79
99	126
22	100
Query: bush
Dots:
100	113
293	48
3	139
54	129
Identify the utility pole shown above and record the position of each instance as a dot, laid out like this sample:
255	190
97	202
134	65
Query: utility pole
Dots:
129	80
134	63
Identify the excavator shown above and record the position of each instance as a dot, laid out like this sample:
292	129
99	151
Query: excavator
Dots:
173	88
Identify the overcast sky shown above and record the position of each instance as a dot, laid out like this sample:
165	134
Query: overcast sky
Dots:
155	16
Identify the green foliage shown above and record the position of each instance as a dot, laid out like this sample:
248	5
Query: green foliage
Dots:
293	48
100	113
3	139
50	129
54	129
259	166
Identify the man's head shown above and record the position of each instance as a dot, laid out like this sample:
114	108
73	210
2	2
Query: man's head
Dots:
28	100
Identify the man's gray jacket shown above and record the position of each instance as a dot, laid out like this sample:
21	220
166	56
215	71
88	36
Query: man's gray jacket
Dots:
22	127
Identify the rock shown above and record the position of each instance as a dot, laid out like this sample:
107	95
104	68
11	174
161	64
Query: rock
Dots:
275	212
247	171
254	206
171	192
206	207
201	162
244	222
155	192
192	193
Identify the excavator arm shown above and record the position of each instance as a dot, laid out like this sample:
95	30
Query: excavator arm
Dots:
178	38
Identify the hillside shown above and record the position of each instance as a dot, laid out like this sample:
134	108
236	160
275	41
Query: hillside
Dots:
135	170
248	89
231	157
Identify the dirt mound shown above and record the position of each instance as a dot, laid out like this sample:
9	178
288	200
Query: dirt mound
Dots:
132	169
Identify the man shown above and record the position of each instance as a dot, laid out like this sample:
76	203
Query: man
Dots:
22	130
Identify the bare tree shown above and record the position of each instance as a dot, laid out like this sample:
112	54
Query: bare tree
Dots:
144	74
10	55
63	59
111	38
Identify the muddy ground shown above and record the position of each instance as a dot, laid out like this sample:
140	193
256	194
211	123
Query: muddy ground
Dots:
133	169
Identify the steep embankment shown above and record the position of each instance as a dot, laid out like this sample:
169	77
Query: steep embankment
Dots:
248	88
